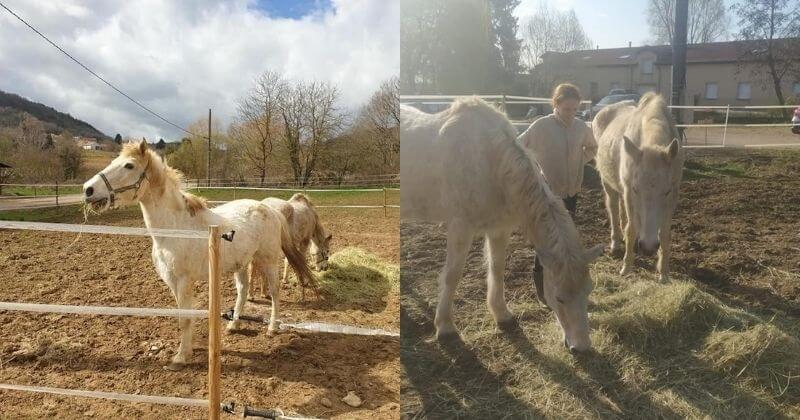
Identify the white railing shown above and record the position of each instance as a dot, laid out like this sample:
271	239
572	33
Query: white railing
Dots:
213	401
726	124
509	99
236	189
501	100
213	314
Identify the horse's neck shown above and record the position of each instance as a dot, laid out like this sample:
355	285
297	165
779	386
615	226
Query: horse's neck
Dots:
306	212
548	226
166	209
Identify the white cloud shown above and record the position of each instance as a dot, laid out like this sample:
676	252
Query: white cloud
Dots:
182	57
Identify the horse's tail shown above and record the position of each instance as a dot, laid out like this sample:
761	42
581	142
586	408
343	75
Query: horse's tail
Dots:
296	259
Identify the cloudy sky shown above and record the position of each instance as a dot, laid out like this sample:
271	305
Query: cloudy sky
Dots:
180	58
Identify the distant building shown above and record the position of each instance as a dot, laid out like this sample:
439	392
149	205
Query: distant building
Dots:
711	73
87	143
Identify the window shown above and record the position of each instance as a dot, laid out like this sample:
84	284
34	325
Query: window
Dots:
647	66
743	91
712	91
796	88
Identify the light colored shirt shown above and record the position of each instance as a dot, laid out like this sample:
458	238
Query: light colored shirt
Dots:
561	150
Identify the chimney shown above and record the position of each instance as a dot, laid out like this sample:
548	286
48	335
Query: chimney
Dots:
629	44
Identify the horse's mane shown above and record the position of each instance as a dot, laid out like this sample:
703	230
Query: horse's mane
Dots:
656	121
551	224
160	175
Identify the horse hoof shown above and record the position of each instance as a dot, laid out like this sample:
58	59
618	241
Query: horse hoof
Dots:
509	325
625	271
271	333
448	336
664	279
175	366
617	253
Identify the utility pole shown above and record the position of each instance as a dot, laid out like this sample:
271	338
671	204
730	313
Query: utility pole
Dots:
208	158
679	55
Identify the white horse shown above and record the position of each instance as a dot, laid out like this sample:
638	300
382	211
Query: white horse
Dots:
307	232
139	175
640	161
463	166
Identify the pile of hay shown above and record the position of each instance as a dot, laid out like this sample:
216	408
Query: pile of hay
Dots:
358	278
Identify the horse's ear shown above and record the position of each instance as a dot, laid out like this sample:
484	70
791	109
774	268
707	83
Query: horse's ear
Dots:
631	148
143	146
595	253
672	149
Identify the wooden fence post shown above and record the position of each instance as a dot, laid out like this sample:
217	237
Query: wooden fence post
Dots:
385	211
214	337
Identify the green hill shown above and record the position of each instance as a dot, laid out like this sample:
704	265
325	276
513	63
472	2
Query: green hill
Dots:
13	108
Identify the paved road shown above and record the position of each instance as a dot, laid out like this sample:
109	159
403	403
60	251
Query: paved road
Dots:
9	203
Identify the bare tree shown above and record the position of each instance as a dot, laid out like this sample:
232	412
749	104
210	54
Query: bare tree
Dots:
257	122
708	21
322	119
33	134
381	116
772	51
551	30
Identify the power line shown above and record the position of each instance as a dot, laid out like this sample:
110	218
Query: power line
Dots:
97	75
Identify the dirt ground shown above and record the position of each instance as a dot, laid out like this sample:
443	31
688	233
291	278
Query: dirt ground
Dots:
734	235
305	373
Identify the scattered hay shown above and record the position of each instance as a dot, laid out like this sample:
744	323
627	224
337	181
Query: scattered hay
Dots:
359	279
763	353
660	351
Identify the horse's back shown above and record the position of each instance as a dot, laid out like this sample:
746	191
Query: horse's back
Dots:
283	206
448	159
609	126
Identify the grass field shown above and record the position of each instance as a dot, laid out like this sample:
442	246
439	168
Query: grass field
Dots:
328	197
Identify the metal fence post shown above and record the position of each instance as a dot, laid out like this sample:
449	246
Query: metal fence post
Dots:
725	129
56	193
385	211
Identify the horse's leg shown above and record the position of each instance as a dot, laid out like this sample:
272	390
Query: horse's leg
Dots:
613	208
253	270
665	238
285	278
459	238
630	238
183	293
495	250
271	274
242	279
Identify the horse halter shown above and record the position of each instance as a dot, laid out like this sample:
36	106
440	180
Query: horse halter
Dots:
112	191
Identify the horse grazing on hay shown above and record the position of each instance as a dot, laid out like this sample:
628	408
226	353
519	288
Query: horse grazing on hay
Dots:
463	166
307	232
640	161
262	234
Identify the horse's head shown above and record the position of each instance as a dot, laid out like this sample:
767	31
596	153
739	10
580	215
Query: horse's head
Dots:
322	249
566	290
122	182
650	187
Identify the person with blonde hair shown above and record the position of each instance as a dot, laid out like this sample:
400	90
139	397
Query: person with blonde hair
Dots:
563	145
